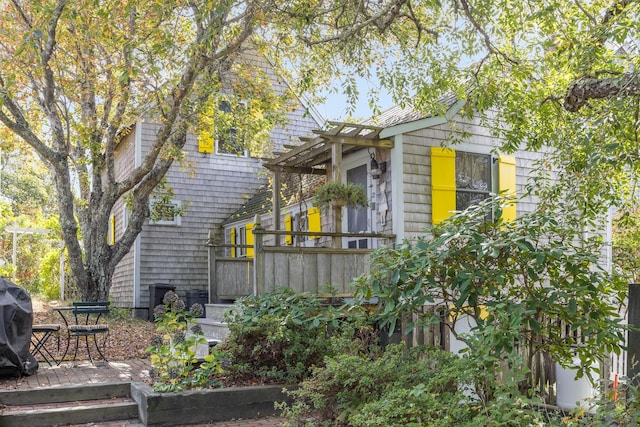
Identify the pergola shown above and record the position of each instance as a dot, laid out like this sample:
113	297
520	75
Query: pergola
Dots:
322	155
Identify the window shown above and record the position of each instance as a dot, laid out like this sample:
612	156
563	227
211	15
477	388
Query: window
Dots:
296	222
239	237
473	179
306	221
229	141
300	223
165	213
241	240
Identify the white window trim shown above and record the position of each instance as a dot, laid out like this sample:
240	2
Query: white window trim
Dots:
177	219
125	218
222	153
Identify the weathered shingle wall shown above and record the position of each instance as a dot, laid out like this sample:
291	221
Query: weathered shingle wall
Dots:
121	292
470	136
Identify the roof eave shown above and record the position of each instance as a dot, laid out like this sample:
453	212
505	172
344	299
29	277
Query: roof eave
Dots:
427	122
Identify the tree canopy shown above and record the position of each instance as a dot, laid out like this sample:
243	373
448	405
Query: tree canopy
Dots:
76	75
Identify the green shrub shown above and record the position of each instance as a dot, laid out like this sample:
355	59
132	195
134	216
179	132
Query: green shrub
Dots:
421	386
521	281
279	336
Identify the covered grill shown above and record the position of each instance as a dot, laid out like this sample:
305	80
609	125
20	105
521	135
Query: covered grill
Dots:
16	320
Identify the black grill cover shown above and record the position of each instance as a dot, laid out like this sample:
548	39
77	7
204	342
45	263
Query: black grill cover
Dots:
16	317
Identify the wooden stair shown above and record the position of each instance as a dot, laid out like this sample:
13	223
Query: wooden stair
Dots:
69	405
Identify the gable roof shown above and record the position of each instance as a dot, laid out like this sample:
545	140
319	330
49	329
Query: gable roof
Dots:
397	115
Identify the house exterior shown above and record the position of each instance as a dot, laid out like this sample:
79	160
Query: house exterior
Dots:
416	169
207	186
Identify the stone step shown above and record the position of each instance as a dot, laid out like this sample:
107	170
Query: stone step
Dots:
68	405
216	311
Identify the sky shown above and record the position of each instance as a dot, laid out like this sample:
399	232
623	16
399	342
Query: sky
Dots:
335	107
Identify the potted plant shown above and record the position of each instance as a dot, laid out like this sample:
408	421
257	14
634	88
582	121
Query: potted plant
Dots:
335	193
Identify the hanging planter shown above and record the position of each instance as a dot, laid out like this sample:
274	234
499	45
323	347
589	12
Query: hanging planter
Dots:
336	194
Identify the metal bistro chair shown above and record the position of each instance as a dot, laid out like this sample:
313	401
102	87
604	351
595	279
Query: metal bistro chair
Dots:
40	335
87	324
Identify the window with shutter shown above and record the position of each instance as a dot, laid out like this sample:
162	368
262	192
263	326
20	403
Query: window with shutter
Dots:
461	179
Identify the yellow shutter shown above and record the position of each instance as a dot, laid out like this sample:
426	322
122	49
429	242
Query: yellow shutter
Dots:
288	226
443	183
232	241
205	143
249	239
507	184
111	232
314	221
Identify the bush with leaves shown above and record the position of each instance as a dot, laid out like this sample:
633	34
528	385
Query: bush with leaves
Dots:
523	282
400	387
173	350
279	336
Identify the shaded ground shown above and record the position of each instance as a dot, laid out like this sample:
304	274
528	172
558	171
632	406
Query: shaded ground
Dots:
128	338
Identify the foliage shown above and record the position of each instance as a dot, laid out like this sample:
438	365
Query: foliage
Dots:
173	351
50	273
520	281
282	335
75	75
400	387
354	195
626	244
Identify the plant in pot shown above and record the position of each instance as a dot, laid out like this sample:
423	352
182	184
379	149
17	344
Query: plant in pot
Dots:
335	193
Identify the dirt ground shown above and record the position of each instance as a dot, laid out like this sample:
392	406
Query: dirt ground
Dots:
128	338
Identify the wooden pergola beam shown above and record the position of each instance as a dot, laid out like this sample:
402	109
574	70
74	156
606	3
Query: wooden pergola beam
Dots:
297	170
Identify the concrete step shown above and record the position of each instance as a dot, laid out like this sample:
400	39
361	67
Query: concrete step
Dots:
92	403
216	311
213	330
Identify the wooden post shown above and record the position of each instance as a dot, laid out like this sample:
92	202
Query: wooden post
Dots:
213	285
633	340
276	204
258	257
336	175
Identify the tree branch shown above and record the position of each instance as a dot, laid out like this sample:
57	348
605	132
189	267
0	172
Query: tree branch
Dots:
582	90
466	7
382	20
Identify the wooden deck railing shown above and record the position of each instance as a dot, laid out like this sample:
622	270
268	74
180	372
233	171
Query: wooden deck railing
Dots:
315	270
